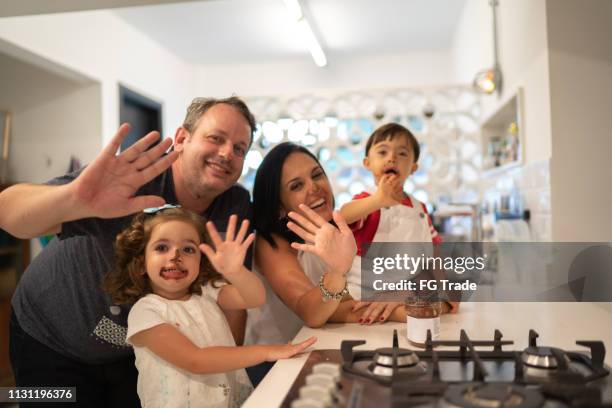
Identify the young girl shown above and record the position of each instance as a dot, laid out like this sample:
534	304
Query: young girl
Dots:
185	352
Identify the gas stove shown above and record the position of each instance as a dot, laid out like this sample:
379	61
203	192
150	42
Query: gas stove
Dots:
467	373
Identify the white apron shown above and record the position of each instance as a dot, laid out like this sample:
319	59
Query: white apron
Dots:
400	223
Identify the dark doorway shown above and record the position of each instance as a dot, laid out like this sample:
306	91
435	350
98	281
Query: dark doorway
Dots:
144	114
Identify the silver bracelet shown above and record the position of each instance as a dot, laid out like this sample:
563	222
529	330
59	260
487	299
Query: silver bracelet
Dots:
327	295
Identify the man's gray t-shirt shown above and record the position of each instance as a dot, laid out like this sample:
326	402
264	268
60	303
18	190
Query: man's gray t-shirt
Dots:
59	300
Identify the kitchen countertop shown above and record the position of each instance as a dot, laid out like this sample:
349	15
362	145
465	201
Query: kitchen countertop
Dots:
559	325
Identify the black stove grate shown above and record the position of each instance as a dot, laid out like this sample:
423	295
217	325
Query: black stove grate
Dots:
562	383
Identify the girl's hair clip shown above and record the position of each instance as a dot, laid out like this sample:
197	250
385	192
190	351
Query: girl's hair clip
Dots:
156	210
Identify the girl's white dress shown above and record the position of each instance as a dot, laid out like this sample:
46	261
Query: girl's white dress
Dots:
161	384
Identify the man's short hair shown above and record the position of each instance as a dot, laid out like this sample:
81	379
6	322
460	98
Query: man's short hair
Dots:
199	106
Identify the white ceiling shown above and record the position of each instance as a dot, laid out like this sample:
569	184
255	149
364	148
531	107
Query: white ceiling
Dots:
9	8
241	31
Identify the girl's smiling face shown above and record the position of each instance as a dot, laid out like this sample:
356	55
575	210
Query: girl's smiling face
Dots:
172	259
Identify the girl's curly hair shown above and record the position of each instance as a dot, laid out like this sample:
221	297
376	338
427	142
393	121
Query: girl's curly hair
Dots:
128	281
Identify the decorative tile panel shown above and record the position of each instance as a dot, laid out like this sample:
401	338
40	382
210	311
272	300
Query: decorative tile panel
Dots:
336	127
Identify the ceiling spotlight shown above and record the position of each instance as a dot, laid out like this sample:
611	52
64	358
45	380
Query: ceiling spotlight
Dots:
429	110
490	80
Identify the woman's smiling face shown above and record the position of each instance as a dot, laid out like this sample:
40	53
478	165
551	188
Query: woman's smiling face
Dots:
303	181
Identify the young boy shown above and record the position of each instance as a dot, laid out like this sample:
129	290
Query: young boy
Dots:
388	215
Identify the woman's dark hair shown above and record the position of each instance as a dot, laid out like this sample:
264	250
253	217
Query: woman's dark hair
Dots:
128	281
266	193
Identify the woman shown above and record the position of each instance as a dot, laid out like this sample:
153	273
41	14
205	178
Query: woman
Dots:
301	253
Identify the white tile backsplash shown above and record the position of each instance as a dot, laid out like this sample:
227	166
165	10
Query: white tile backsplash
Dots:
544	201
532	182
540	227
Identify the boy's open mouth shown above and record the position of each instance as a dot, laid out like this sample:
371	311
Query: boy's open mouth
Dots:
391	171
173	273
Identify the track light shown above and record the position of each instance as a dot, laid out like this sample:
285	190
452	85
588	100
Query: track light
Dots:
306	33
490	80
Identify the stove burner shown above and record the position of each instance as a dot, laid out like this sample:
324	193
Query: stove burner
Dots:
492	396
545	357
407	362
405	357
384	371
383	364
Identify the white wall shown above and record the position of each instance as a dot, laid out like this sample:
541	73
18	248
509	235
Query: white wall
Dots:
581	99
430	68
53	118
472	50
523	56
102	46
524	61
559	52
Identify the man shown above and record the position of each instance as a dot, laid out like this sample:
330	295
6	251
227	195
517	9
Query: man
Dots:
65	331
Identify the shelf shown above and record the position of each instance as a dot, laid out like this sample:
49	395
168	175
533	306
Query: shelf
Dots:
502	137
496	171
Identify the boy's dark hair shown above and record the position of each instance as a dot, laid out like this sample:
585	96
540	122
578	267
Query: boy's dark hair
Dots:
128	281
388	132
266	193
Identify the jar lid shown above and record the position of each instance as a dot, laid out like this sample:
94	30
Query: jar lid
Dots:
423	295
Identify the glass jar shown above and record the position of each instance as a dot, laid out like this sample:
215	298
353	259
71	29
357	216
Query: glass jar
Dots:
423	312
